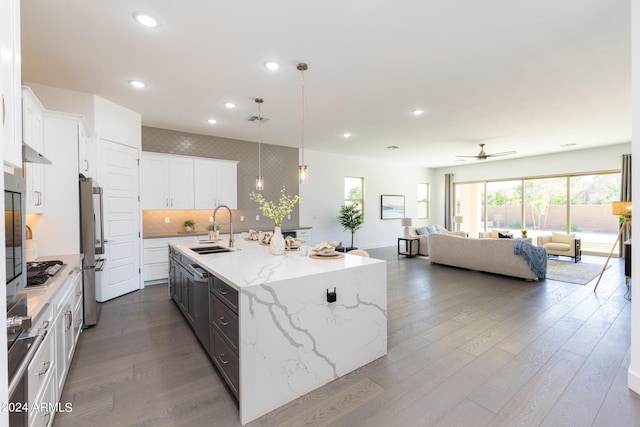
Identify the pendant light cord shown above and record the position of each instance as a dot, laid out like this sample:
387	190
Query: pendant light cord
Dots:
259	140
303	104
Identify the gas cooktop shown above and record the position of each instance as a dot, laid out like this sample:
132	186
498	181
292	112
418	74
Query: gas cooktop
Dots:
40	271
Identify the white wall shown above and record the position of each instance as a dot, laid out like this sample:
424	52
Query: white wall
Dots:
634	366
64	100
118	124
589	160
324	194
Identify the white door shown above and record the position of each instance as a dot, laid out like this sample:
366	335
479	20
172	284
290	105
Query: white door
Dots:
118	175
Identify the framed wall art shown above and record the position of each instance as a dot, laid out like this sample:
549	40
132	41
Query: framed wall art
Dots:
391	206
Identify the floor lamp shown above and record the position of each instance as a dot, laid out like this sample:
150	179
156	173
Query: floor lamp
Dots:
620	209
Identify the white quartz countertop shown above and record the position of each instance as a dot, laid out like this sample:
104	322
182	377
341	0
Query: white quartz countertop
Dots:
251	264
39	296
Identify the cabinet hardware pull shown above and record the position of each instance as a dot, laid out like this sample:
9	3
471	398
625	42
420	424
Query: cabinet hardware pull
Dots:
171	202
46	365
45	324
221	318
69	315
224	362
86	165
222	291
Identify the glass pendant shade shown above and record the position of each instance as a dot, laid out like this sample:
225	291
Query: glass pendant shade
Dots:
303	174
259	183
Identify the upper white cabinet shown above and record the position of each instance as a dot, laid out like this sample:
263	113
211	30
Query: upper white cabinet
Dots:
182	182
167	182
10	77
32	133
215	183
86	152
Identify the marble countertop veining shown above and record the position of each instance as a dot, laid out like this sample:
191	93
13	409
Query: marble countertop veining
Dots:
39	296
251	264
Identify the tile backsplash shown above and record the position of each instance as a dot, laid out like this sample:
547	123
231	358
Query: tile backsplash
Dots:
279	167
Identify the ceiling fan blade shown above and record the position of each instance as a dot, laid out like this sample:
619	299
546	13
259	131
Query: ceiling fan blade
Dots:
505	153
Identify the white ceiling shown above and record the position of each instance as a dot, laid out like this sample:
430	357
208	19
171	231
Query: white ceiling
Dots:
524	75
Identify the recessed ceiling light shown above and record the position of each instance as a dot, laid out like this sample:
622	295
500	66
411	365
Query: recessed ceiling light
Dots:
230	105
417	112
271	65
146	20
212	121
346	134
137	84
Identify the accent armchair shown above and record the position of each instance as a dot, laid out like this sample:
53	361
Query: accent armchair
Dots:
562	244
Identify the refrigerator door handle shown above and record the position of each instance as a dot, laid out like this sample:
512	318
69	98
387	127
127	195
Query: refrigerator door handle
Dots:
100	223
99	264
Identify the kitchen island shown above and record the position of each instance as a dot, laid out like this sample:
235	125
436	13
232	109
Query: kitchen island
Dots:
291	336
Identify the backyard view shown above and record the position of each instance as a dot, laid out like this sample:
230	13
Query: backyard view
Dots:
580	204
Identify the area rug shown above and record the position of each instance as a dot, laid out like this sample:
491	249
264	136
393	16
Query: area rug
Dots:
573	272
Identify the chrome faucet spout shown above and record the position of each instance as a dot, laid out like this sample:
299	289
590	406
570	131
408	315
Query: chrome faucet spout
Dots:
215	211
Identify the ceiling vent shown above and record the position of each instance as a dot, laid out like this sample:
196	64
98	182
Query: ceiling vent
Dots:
256	118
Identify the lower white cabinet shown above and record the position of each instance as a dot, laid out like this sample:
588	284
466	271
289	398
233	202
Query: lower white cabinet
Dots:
156	258
65	332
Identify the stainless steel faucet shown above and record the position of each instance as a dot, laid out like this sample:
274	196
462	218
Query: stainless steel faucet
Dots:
215	211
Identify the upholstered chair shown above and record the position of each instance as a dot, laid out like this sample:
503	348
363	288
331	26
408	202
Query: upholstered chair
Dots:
562	244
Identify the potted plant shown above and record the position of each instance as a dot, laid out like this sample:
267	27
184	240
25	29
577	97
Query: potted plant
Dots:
188	225
351	218
276	213
214	230
524	233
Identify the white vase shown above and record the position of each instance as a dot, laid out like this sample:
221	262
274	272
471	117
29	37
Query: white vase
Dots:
277	244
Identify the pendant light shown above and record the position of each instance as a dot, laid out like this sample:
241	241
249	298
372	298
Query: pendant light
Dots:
259	179
303	172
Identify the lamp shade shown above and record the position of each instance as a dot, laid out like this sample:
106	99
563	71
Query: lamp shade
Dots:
621	208
407	222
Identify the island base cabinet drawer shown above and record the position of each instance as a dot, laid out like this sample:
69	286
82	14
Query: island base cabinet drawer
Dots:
227	322
225	292
227	362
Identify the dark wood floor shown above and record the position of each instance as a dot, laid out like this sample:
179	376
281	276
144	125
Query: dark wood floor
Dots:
465	349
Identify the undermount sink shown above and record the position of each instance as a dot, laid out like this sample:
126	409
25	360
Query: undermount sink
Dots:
210	250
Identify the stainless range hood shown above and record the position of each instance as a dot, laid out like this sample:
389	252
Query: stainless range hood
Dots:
29	155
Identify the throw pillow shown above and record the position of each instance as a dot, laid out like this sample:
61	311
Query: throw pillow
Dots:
432	229
495	233
504	236
422	231
562	237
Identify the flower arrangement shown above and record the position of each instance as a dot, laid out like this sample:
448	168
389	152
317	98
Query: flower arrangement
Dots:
270	210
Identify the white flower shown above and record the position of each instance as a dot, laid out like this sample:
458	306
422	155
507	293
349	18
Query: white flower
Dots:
270	210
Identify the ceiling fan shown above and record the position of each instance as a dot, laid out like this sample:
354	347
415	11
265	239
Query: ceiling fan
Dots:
484	156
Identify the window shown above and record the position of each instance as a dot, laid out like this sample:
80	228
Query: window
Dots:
354	191
423	201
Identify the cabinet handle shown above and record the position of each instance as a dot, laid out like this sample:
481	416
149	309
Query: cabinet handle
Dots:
78	293
222	322
224	362
222	291
38	198
3	110
171	202
46	365
45	324
69	315
166	202
86	165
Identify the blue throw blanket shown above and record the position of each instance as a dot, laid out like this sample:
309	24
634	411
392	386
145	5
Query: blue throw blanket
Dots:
536	256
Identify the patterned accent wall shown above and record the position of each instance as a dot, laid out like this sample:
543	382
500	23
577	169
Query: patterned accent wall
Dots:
279	167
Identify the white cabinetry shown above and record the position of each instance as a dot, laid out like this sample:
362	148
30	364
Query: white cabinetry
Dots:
10	77
32	134
41	374
86	158
182	182
167	182
156	258
215	183
64	326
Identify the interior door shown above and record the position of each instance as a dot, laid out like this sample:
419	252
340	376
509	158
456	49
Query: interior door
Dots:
119	177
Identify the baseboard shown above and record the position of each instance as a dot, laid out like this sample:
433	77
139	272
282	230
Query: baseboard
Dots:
633	381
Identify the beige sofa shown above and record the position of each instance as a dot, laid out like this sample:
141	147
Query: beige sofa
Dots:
424	244
490	255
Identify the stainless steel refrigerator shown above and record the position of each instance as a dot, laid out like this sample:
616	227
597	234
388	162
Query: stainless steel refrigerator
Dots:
91	244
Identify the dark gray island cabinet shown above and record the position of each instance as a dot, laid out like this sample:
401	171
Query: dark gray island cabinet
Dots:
278	327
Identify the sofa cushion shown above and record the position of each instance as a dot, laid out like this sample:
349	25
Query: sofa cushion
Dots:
422	231
495	233
562	237
554	246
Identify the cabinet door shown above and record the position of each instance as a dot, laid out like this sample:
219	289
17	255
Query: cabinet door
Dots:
180	183
155	182
205	174
227	184
63	328
32	133
10	77
86	162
